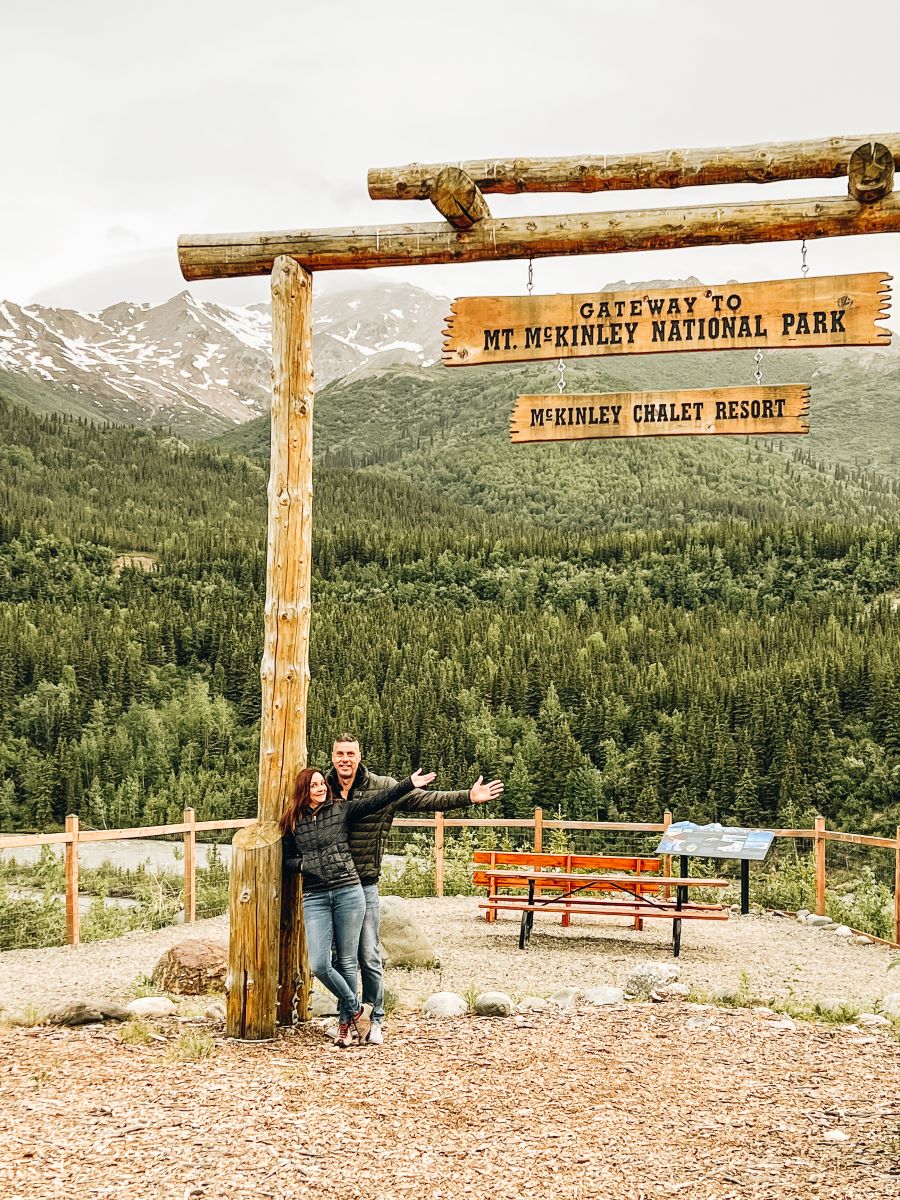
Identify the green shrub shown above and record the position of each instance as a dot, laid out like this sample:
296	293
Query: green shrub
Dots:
862	903
791	885
31	923
212	885
458	851
416	876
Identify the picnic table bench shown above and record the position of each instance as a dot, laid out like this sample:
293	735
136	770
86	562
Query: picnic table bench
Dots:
589	884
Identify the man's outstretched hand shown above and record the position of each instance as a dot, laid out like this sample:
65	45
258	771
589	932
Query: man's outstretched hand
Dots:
481	792
420	779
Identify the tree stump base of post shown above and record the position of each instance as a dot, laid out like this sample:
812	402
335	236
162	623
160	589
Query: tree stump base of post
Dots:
255	912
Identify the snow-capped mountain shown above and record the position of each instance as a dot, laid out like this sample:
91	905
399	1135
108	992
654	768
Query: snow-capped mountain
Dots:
202	367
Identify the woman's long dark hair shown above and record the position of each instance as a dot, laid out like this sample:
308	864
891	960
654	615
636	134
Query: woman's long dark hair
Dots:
299	801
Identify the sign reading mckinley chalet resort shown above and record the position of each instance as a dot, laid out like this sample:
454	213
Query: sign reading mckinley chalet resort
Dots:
840	310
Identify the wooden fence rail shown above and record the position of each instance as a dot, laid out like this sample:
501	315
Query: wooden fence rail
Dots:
74	837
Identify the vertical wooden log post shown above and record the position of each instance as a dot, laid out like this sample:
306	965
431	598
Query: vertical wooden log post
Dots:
897	889
73	916
820	866
439	854
538	830
260	931
190	866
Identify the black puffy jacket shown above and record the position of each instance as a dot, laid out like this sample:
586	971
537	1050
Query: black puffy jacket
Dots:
368	834
318	846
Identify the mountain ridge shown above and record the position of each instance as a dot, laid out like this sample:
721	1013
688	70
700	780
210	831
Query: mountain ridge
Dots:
196	366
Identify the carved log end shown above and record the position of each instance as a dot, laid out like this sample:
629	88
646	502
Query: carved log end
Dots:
870	173
458	199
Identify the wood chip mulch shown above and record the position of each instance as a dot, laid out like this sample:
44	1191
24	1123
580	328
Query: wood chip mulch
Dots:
635	1102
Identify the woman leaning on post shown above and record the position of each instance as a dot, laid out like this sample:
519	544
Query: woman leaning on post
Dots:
315	842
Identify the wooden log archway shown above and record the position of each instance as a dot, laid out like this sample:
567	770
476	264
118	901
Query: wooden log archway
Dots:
268	976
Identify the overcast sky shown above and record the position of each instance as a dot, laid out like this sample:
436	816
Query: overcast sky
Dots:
126	125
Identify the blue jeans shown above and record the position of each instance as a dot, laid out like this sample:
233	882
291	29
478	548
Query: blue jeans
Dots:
370	954
335	917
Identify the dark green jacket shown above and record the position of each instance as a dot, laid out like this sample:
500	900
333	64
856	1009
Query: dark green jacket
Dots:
369	833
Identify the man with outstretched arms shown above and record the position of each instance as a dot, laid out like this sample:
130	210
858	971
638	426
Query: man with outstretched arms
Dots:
350	778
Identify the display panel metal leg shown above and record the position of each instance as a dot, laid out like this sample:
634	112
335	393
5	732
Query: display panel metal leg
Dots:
527	919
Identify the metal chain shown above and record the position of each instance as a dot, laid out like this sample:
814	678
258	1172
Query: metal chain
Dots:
757	374
530	276
804	269
562	376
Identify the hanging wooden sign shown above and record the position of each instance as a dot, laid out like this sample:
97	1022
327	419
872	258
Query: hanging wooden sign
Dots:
747	410
834	310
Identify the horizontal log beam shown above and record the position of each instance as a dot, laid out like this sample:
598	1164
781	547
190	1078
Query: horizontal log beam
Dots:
822	159
218	256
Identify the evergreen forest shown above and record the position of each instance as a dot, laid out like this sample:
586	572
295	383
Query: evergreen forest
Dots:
705	625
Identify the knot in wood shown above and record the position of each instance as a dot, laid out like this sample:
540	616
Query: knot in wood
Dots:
244	896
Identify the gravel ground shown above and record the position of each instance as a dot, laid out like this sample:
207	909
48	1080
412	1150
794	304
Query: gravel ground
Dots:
779	956
639	1102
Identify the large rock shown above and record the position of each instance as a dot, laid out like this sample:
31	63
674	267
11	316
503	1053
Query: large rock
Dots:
604	995
152	1006
493	1004
872	1020
322	1003
192	968
532	1004
83	1012
566	997
890	1004
445	1004
648	976
403	943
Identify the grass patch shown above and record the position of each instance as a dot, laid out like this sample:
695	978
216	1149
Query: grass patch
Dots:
391	1001
470	995
142	986
194	1045
843	1013
828	1012
135	1033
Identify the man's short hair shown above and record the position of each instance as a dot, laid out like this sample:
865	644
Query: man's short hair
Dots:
346	737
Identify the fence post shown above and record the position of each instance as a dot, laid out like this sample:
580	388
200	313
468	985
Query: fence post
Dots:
667	858
897	888
538	830
820	866
190	867
73	932
439	854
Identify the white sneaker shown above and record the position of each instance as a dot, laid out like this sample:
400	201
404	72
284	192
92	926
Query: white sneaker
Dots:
331	1031
376	1037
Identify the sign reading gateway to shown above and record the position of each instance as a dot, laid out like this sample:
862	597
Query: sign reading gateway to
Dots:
836	310
751	410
